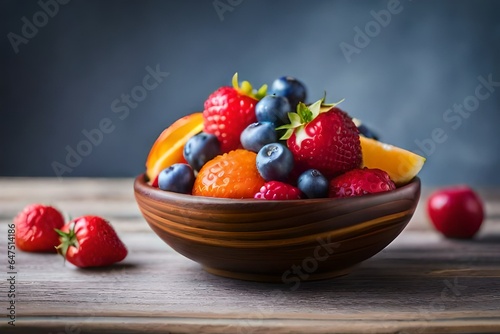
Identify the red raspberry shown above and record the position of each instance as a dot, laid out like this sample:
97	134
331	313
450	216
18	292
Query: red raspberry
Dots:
35	228
358	182
278	190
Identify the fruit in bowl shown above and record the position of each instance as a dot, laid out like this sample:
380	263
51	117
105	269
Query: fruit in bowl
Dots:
249	193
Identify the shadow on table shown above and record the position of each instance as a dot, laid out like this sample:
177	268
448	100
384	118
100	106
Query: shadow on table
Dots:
411	273
117	268
488	239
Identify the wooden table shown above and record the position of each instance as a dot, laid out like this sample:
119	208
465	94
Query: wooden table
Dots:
421	283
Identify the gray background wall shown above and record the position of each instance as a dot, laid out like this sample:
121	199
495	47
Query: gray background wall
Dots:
401	80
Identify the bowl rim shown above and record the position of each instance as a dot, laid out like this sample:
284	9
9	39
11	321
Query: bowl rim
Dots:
141	186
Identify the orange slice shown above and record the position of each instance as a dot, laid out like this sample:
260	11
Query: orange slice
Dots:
168	147
400	164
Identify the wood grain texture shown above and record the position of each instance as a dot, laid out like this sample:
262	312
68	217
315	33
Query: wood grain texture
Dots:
420	283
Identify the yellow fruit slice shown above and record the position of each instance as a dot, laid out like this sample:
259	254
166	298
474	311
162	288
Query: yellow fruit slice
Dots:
400	164
168	147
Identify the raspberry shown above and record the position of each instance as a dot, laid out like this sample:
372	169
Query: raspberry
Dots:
231	175
358	182
279	191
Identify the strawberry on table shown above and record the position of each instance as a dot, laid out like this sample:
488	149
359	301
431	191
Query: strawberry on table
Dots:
324	138
90	241
229	110
35	228
358	182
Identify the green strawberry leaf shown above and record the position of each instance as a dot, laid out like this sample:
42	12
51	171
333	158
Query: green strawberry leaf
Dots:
315	108
287	134
68	239
247	89
295	119
304	113
261	92
234	81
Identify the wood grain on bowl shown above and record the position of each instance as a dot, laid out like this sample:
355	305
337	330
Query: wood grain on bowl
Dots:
265	240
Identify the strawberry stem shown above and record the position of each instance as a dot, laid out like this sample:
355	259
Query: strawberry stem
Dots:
68	239
247	89
304	115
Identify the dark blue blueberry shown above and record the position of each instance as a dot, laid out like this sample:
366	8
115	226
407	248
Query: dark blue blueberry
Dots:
274	109
201	148
313	184
274	162
365	131
178	178
290	88
257	135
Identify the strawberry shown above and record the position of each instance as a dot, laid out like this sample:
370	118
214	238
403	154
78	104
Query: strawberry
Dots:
90	241
279	191
358	182
229	110
323	137
155	181
35	228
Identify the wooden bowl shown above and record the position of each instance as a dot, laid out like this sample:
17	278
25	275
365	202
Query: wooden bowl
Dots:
277	241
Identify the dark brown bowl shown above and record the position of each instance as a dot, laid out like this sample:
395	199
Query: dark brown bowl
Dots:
287	241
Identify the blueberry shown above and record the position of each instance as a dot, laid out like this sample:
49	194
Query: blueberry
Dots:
313	184
257	135
365	131
274	162
274	109
290	88
178	178
201	148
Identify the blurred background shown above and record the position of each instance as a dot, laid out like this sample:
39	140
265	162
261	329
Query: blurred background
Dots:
425	75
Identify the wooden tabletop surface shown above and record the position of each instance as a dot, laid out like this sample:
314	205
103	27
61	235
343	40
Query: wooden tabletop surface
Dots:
421	283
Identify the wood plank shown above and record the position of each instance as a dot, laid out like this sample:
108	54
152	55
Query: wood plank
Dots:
255	326
421	283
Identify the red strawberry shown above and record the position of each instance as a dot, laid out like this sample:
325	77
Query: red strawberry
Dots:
323	138
358	182
155	182
35	228
278	190
91	241
229	110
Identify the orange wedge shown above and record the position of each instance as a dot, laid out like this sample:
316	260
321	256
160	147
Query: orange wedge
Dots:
168	147
400	164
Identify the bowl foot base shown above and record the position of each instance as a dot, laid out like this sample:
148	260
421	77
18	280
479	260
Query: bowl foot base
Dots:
276	278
